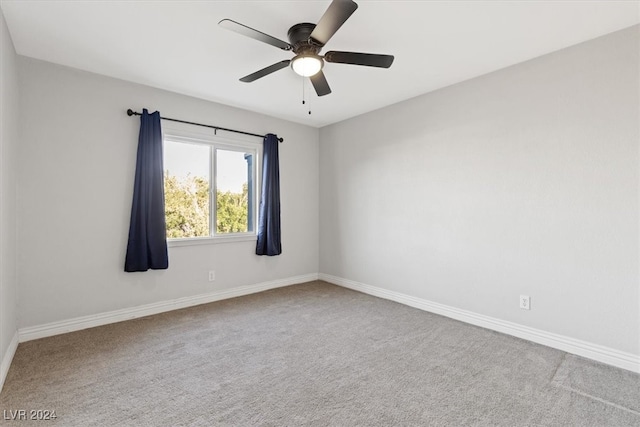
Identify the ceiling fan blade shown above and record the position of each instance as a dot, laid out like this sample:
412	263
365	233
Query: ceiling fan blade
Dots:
320	84
357	58
266	71
254	34
336	15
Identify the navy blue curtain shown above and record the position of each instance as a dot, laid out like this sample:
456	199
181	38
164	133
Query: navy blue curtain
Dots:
147	246
269	214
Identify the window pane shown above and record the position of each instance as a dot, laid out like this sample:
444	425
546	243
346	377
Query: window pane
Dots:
233	174
186	189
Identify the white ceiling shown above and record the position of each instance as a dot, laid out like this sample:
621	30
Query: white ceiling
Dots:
178	46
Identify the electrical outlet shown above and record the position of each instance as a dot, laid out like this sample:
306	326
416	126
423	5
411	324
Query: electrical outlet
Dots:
212	275
525	302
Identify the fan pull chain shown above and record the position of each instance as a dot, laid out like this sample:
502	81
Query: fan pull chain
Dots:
303	94
303	91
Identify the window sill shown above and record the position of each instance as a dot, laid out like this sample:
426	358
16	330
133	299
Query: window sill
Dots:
195	241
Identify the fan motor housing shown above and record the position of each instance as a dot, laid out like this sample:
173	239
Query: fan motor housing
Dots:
299	38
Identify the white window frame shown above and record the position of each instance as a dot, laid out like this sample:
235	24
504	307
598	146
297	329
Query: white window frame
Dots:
216	142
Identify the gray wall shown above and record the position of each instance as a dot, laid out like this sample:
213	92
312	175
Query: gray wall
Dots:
76	167
522	181
8	146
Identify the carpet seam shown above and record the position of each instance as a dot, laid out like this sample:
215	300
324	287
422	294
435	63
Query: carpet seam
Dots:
599	399
555	372
558	382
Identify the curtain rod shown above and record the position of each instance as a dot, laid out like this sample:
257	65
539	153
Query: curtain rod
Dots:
130	112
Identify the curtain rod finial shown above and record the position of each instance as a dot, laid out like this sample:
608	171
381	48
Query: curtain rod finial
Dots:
130	112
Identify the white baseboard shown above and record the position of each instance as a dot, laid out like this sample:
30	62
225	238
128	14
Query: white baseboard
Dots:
597	352
85	322
7	358
589	350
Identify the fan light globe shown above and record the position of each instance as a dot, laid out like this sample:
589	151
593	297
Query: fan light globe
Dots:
306	66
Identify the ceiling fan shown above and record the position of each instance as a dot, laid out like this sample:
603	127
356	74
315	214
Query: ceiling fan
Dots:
306	40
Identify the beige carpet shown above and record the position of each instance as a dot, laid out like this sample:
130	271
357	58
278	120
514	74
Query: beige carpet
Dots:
311	354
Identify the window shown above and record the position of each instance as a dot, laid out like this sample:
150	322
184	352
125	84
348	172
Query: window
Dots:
209	188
